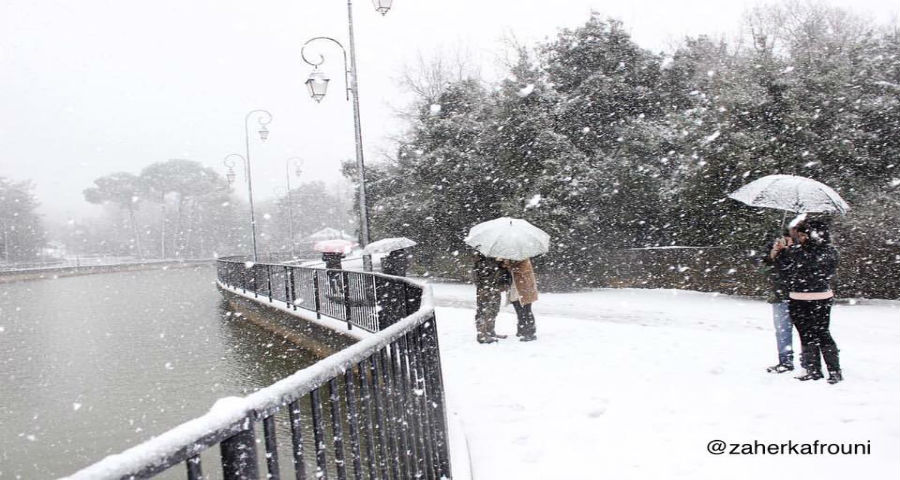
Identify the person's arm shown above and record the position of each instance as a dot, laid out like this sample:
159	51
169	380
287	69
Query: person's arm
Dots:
778	246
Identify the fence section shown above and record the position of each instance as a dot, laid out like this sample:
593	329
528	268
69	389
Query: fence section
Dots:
364	300
373	410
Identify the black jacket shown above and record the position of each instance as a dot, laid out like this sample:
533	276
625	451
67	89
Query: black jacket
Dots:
396	262
813	266
778	272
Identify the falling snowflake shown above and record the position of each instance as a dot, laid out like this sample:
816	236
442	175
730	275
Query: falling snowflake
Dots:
525	91
711	138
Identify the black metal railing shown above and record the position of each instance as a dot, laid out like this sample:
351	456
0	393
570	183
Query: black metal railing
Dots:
365	300
374	410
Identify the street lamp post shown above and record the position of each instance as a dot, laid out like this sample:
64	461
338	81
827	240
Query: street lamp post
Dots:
317	83
264	118
297	163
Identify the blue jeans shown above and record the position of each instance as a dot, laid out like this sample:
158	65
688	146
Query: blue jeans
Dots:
783	332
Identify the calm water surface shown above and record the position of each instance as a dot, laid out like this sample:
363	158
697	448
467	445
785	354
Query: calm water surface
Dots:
91	365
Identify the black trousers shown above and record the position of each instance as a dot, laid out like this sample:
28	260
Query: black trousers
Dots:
812	319
525	325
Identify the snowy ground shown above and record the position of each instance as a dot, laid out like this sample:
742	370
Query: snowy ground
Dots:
635	383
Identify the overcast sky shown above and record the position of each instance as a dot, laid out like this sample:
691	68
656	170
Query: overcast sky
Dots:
90	87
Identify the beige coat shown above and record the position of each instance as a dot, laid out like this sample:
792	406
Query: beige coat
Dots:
524	280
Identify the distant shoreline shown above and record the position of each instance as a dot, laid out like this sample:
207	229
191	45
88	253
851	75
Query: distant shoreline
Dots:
57	272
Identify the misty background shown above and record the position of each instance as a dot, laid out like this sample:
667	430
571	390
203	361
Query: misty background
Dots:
117	116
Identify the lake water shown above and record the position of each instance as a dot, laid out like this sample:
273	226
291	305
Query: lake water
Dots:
94	364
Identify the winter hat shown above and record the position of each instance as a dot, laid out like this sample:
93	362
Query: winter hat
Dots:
816	229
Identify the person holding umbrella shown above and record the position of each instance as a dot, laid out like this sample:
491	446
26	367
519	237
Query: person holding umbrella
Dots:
515	241
777	267
813	266
398	257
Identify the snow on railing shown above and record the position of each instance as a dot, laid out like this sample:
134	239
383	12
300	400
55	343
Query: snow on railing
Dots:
386	390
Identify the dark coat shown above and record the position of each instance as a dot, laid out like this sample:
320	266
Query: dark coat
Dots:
396	262
777	271
332	260
488	274
813	266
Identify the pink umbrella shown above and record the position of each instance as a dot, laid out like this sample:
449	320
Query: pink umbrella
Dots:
334	246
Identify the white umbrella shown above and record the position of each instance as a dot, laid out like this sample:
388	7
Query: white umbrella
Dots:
791	193
334	246
388	245
509	238
329	233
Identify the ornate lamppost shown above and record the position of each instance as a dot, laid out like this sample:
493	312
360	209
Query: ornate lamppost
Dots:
264	118
317	84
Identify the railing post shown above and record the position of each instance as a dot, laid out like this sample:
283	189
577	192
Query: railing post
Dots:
434	375
367	411
288	288
239	455
318	435
271	448
417	446
390	411
353	422
297	440
194	468
404	415
269	281
337	429
316	293
345	279
379	424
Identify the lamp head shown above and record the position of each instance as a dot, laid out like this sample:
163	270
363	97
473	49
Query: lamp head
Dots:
382	6
317	85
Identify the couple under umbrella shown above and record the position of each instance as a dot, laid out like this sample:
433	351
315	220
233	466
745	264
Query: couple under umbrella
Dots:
504	247
801	265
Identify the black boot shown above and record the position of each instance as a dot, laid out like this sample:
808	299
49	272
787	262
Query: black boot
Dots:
835	377
811	361
780	368
528	337
483	338
785	364
498	336
832	358
813	375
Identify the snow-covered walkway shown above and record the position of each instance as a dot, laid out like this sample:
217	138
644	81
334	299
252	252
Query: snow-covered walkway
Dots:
635	383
